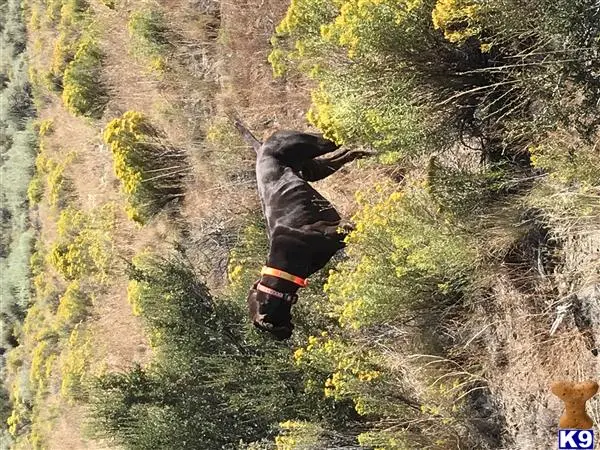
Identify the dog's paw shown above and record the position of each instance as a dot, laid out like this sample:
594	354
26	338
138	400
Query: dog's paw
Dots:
346	227
360	154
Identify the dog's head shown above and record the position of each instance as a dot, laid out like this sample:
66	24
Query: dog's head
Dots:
270	313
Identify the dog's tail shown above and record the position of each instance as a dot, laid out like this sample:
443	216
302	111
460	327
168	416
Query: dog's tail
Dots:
246	134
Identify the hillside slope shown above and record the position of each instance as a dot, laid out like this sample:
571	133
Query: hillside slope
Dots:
470	284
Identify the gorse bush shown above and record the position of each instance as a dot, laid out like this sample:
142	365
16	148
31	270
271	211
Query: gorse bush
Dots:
402	75
83	91
152	174
73	307
84	245
403	257
148	32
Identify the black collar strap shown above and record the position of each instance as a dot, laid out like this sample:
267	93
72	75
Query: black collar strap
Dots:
286	297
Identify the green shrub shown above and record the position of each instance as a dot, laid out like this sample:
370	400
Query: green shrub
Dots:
17	105
60	186
84	244
152	174
53	8
45	127
401	75
73	20
333	367
568	160
74	367
63	53
403	256
296	434
42	362
14	36
247	258
73	307
34	19
36	261
83	92
35	191
17	171
225	147
15	282
350	48
148	31
466	193
397	130
202	357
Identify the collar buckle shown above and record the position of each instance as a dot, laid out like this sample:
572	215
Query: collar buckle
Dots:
285	296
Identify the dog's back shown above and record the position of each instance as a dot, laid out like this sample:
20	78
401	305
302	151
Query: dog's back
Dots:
287	199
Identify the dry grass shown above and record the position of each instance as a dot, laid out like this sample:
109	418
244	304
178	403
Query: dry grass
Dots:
247	84
508	337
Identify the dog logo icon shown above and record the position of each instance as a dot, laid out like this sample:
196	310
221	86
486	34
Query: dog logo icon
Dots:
575	425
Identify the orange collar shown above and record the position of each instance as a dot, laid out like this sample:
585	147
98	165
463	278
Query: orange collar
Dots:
286	276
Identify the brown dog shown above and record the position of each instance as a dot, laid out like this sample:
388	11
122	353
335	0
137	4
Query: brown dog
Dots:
304	229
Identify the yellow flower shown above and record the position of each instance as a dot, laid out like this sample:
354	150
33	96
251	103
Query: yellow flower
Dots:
298	354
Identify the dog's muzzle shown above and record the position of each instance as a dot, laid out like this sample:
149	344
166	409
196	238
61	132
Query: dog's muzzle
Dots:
276	317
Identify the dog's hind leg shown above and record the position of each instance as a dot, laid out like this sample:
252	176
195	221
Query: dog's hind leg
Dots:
294	148
317	169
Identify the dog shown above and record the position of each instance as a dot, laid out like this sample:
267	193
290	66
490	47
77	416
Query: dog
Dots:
304	229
